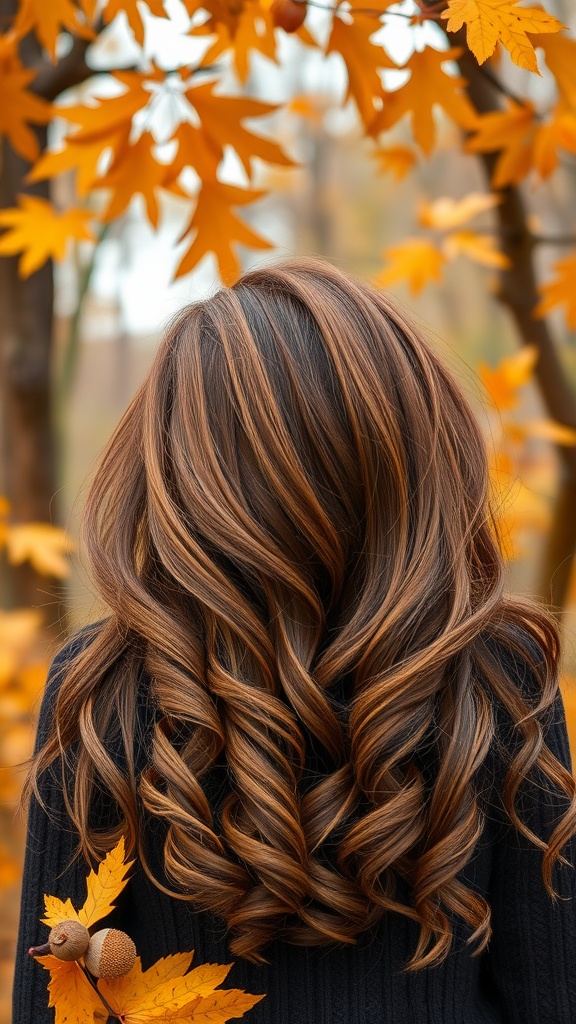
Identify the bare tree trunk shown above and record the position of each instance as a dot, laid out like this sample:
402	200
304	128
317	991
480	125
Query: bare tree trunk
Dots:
518	292
26	312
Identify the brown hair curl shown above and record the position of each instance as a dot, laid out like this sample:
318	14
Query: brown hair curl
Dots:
291	528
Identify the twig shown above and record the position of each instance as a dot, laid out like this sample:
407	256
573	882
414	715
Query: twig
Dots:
92	983
554	239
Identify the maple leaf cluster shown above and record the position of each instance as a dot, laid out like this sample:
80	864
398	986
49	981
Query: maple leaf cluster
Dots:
113	150
166	991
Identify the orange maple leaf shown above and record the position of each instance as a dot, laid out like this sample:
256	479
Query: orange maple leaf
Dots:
19	106
491	21
47	19
561	291
221	120
133	12
446	213
241	27
40	232
513	131
511	374
218	228
362	58
102	126
135	171
427	86
480	248
42	544
415	260
398	160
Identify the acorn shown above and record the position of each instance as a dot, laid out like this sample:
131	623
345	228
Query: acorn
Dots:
288	14
110	954
68	940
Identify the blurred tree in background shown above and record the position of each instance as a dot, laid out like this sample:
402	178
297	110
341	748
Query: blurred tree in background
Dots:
455	122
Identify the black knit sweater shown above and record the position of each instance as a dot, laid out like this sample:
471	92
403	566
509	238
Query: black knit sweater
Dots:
526	976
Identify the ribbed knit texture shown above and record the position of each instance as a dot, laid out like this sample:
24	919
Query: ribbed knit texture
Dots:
527	975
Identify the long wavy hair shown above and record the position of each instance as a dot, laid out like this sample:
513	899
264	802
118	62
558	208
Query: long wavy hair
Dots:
292	531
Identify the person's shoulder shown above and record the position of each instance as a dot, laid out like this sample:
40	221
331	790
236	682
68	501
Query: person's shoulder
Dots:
66	655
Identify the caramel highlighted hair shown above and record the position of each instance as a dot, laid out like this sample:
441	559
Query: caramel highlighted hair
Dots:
291	528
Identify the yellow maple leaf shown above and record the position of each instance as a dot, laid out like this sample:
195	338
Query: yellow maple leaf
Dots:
397	160
512	373
416	260
167	991
217	229
429	85
47	19
445	213
513	131
363	59
39	232
43	545
18	631
491	21
561	291
71	994
103	887
480	248
166	997
19	106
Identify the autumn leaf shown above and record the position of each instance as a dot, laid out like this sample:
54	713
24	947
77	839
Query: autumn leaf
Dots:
104	886
70	993
221	119
482	249
491	21
416	260
101	127
562	291
512	131
166	991
40	233
43	545
245	27
217	229
512	373
18	630
362	58
445	213
132	9
397	160
135	171
427	87
46	18
18	106
161	995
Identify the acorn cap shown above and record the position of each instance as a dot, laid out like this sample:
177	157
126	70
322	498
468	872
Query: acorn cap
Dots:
68	940
110	954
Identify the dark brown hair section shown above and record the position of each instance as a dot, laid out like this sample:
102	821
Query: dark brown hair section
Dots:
296	498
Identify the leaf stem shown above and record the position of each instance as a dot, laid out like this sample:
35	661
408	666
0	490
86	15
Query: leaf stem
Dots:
112	1014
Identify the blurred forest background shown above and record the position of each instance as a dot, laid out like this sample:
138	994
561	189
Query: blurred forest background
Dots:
348	197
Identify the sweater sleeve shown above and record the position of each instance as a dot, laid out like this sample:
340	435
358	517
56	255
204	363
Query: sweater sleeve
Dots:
51	840
531	956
